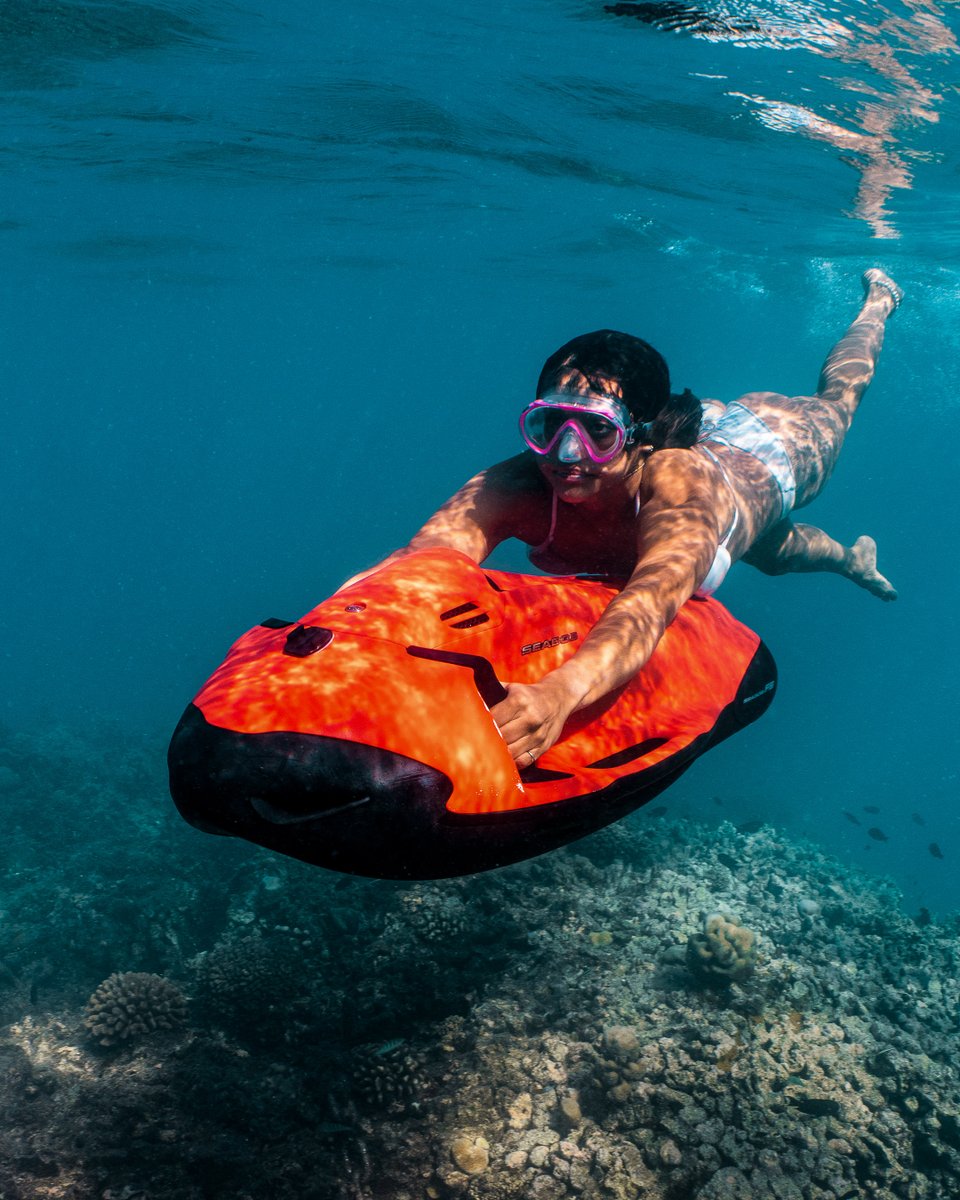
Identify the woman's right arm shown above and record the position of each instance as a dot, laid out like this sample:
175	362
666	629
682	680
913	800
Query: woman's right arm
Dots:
497	504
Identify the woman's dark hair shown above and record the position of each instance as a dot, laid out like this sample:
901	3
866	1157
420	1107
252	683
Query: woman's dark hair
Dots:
644	379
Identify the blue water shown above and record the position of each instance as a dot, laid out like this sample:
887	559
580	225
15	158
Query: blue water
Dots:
278	278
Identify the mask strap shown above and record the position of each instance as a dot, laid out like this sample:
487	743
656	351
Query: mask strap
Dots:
640	432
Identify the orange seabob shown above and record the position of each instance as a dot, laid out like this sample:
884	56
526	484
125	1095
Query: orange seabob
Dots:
359	738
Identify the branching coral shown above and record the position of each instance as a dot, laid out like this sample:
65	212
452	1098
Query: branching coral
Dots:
248	977
386	1073
130	1004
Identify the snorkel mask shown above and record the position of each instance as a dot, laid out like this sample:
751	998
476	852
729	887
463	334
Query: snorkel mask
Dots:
601	424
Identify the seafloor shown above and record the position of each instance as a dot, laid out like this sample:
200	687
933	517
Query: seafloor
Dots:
542	1031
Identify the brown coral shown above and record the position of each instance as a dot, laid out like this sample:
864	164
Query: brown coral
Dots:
130	1004
723	953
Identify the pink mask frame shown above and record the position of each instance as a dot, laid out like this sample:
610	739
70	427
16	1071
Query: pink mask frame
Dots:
610	408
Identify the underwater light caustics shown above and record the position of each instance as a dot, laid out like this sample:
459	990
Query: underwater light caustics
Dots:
360	738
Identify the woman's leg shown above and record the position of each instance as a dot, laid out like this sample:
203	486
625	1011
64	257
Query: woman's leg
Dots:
812	428
788	547
850	365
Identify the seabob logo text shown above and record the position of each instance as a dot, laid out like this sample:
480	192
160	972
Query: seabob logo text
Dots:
547	643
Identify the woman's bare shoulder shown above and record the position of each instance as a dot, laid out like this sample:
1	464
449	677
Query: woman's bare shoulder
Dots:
507	499
515	476
514	488
676	477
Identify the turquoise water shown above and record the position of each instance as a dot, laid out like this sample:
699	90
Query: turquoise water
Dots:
278	278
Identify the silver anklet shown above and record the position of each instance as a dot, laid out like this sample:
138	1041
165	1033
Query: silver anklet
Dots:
890	289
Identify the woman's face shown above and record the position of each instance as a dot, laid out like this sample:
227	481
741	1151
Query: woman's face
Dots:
569	469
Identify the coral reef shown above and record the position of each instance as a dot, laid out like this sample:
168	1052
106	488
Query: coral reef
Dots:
723	952
542	1031
130	1004
247	976
440	920
386	1074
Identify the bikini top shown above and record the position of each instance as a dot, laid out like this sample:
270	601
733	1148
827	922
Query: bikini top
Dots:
541	555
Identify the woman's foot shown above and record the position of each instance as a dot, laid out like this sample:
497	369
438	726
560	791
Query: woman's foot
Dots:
875	278
861	567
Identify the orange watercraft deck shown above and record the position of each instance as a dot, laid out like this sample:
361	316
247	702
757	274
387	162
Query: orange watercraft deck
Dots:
359	738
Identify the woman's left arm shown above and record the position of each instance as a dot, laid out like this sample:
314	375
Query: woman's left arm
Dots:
677	537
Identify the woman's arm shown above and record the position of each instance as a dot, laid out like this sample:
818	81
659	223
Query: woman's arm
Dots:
678	534
497	504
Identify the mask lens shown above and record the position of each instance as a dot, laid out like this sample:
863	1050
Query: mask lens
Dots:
541	425
601	431
602	436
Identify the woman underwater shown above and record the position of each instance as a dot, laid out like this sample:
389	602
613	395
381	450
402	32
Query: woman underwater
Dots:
623	479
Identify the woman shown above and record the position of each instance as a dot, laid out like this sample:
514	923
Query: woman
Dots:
624	480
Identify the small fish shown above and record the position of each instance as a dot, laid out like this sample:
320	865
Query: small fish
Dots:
750	826
851	818
659	811
330	1128
935	850
388	1047
717	800
917	819
870	808
877	834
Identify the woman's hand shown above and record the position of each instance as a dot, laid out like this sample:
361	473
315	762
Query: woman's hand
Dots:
532	716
